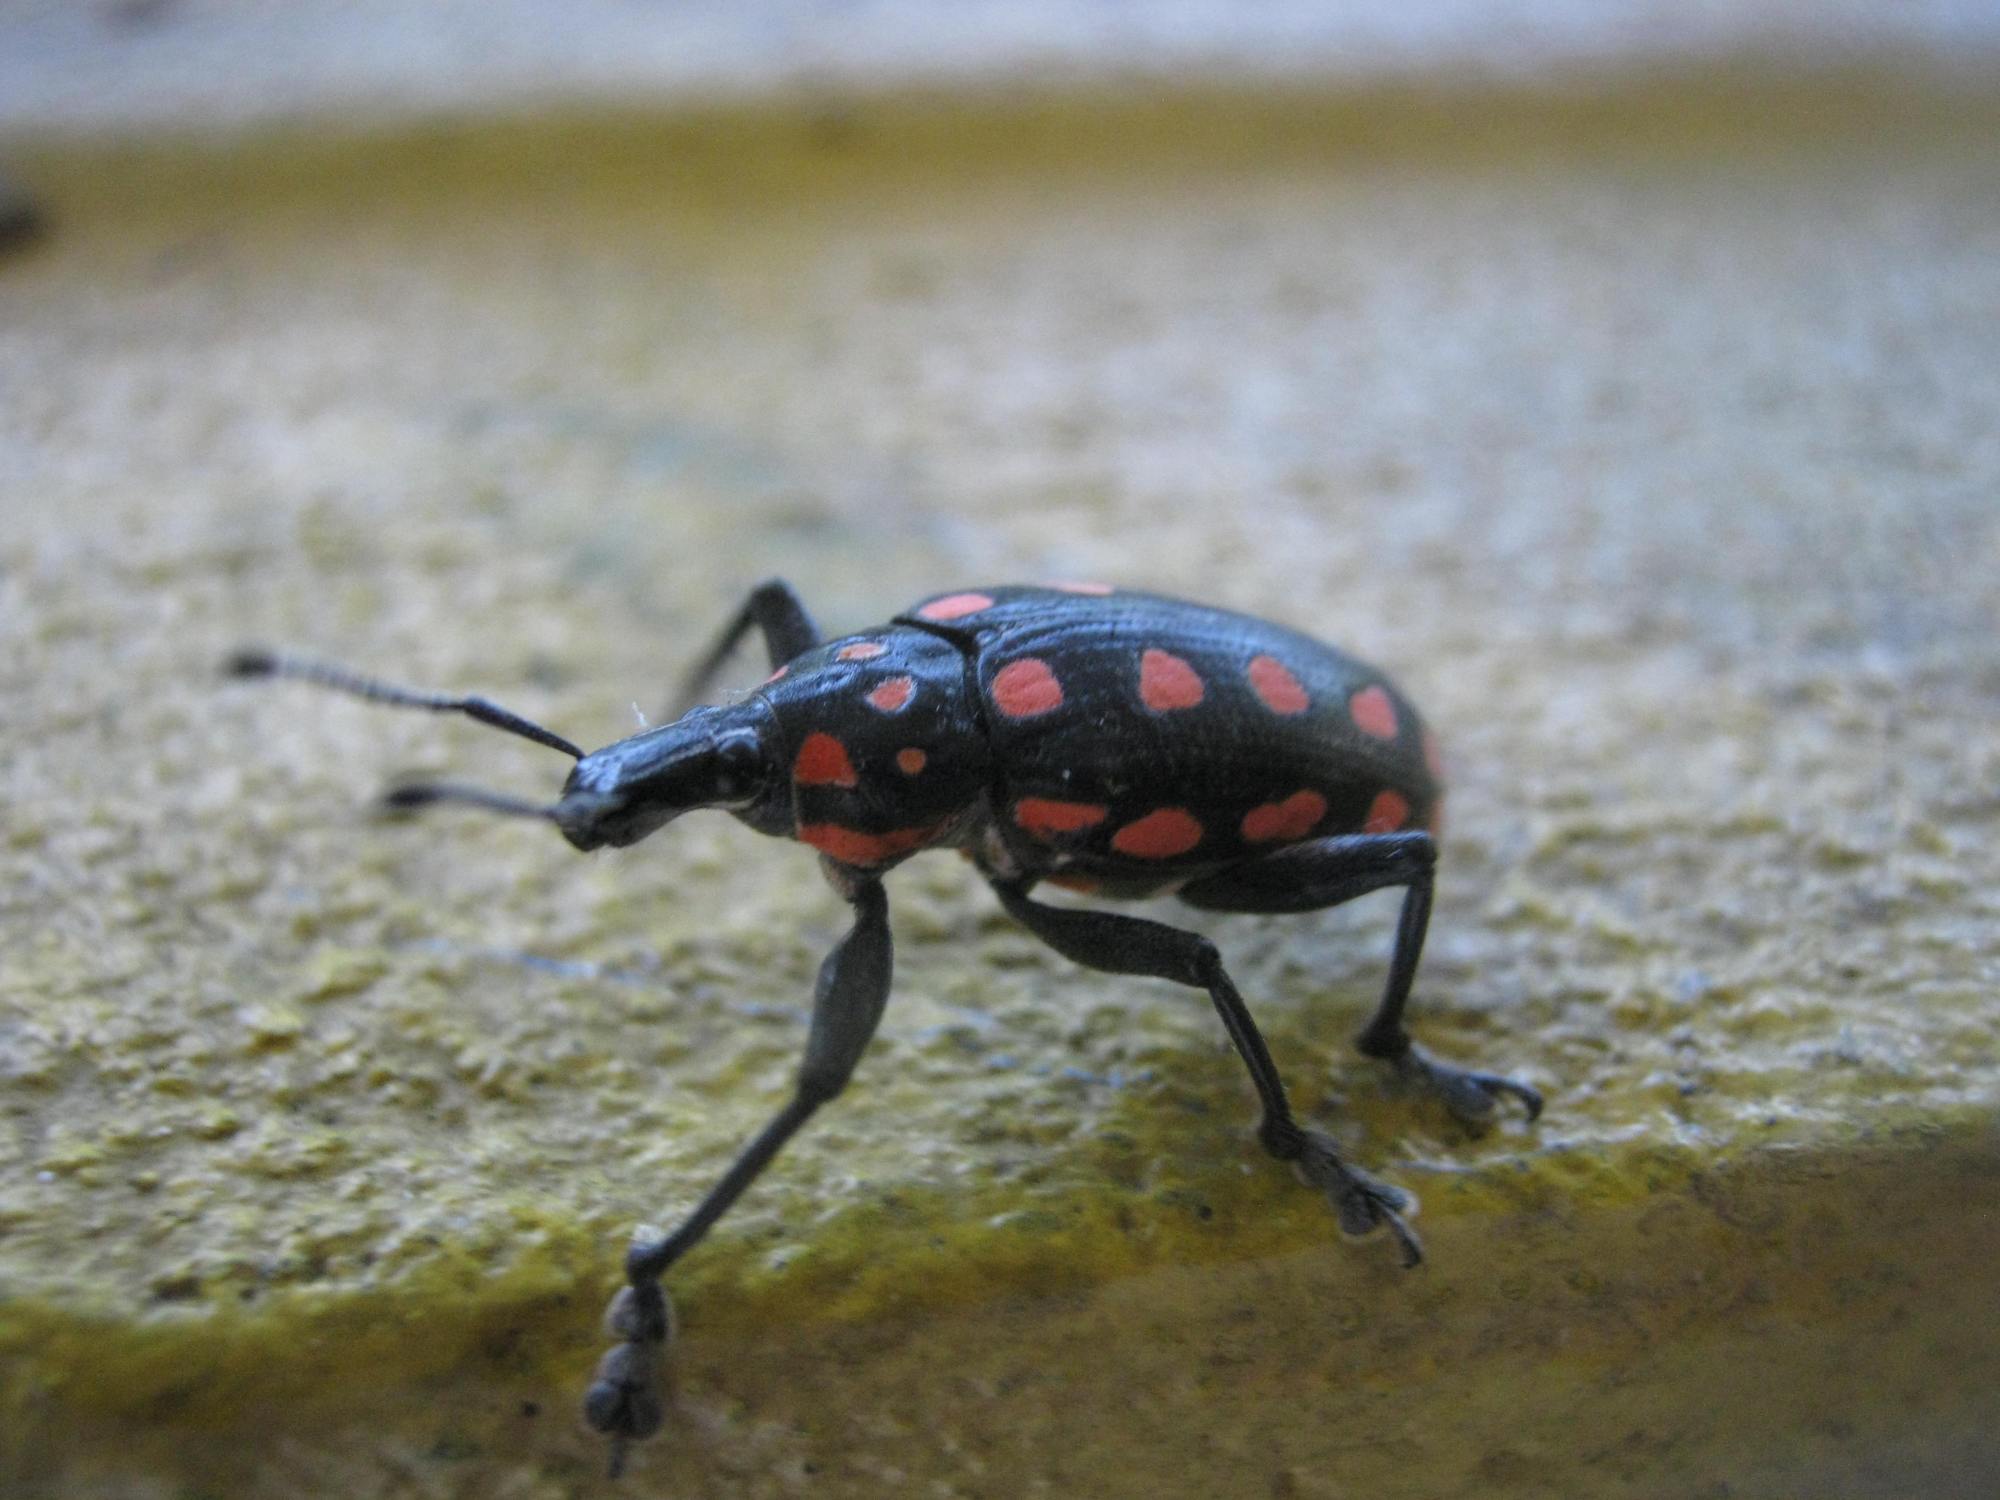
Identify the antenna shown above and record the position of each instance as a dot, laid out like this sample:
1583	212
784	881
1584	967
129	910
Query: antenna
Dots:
412	795
257	662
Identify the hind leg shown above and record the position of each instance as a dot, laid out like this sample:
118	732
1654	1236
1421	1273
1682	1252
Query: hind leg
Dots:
1327	872
1132	945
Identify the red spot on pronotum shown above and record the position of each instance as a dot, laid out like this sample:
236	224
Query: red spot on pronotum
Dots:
1388	812
1274	683
822	761
892	695
777	674
909	762
1166	682
853	847
955	606
1025	688
1373	713
860	651
1072	586
1046	817
1159	835
1293	818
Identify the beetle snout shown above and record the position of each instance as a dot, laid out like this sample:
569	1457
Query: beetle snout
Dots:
598	820
618	795
581	817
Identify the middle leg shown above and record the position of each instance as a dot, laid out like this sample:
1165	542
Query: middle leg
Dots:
1133	945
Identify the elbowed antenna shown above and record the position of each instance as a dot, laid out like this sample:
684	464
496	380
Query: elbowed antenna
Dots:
256	662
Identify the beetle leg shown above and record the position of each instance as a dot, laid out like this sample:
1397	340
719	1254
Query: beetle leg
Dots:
771	608
624	1399
1327	872
1133	945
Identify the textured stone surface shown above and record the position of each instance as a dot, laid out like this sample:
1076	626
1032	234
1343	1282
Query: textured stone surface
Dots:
1650	446
127	66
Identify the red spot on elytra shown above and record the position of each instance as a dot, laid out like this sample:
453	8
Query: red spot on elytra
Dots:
911	761
1293	818
860	651
1046	817
853	847
777	674
1161	834
822	761
1166	682
1373	713
892	695
1433	756
1025	688
1388	812
955	606
1274	683
1071	586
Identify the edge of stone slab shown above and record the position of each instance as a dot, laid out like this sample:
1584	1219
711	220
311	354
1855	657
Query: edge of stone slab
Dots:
1547	1238
1796	96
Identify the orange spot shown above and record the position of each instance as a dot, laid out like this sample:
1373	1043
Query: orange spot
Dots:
1025	688
1373	713
1080	883
823	761
909	762
1434	819
892	695
853	847
1293	818
777	674
1388	812
1045	817
1275	684
955	606
1433	756
1166	682
860	651
1159	835
1070	587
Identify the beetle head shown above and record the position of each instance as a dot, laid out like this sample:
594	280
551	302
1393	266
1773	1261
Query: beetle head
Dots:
710	757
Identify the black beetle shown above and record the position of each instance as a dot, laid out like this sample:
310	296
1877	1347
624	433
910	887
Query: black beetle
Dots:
1114	742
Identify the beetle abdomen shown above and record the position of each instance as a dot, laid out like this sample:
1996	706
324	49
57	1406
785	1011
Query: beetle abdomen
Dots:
1134	735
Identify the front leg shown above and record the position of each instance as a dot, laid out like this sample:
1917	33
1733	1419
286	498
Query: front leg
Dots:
1132	945
772	608
624	1400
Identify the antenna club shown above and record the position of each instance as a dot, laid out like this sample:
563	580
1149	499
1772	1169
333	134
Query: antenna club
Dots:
408	798
250	661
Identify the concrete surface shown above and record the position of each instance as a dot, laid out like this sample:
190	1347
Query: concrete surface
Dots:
1650	443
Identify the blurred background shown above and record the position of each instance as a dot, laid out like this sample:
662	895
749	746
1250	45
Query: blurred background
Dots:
1621	377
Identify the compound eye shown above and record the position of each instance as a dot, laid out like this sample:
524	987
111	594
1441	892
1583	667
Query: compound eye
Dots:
739	766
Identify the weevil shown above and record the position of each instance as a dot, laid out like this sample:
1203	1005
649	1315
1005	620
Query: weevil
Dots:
1121	744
